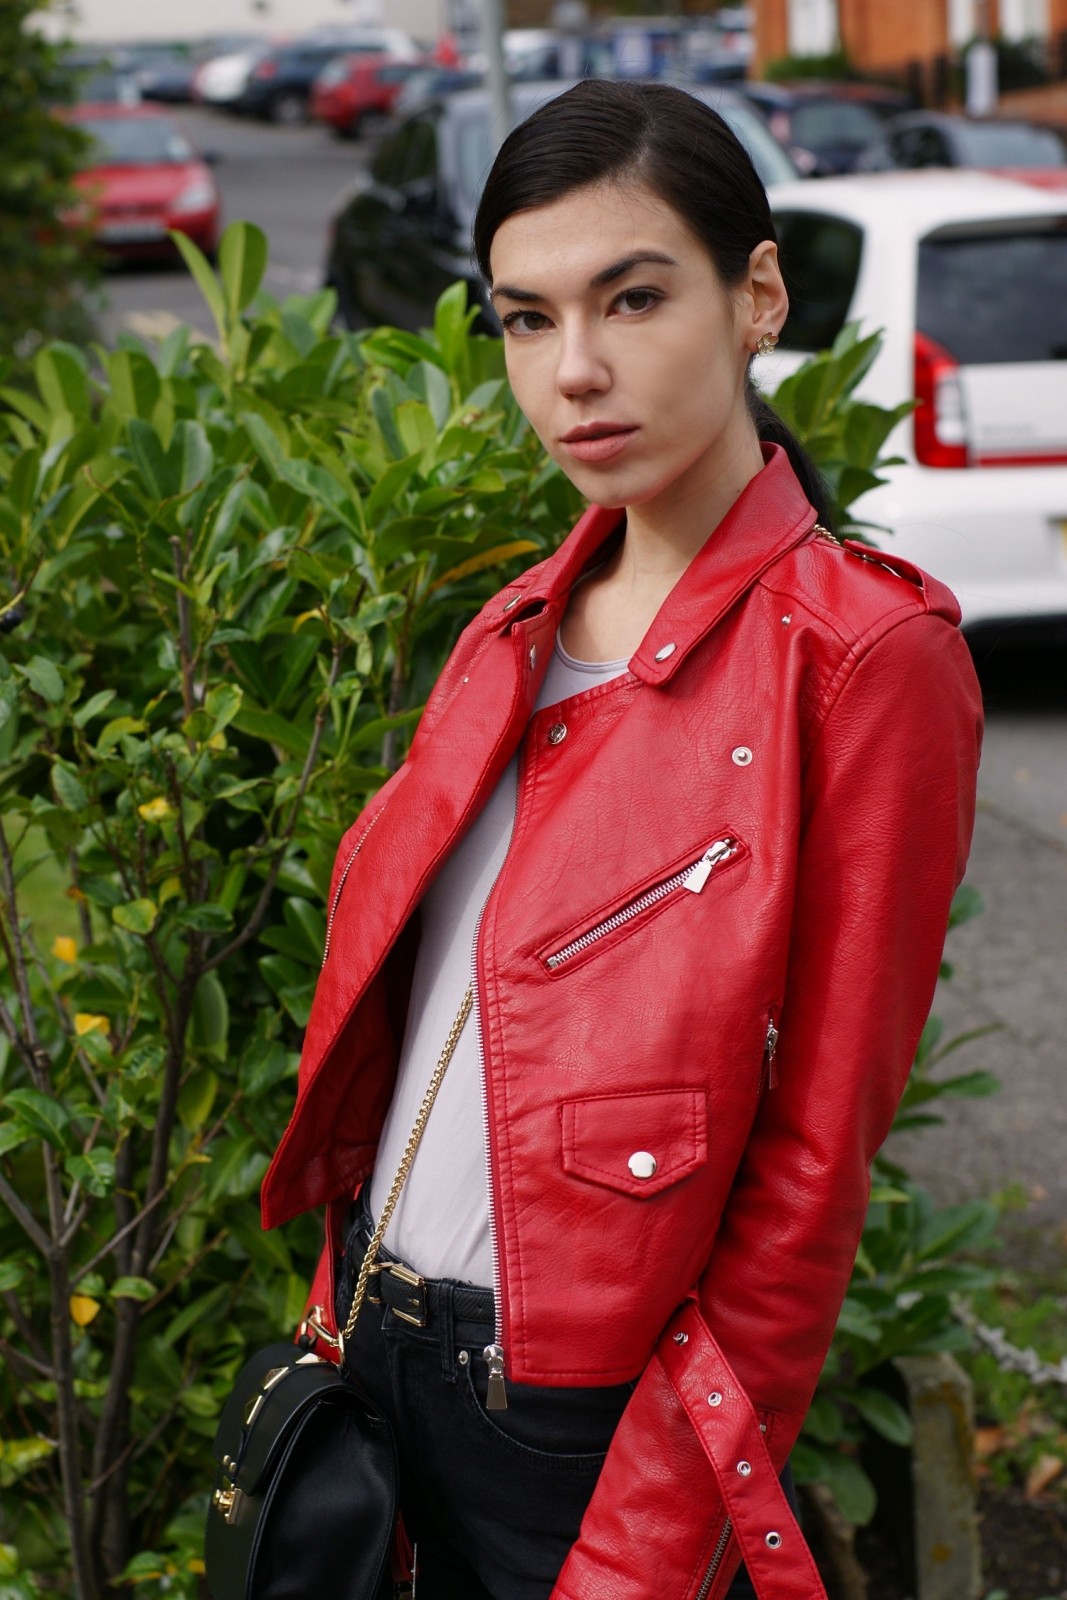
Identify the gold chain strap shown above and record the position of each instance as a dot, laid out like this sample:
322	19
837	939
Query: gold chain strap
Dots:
405	1167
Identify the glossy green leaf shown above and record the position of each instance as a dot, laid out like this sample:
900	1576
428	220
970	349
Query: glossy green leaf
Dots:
196	1099
242	263
46	1118
136	916
882	1413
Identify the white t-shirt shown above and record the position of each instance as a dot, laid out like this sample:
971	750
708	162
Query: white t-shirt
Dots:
441	1222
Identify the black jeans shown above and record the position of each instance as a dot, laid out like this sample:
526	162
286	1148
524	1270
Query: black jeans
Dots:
492	1499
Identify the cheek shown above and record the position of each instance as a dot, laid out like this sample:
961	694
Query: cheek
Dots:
530	382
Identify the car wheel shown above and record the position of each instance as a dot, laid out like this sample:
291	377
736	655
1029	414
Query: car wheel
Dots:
289	110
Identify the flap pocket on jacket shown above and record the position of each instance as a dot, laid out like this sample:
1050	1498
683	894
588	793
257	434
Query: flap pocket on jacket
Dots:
637	1143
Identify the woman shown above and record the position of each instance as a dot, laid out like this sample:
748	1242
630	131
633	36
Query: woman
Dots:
686	809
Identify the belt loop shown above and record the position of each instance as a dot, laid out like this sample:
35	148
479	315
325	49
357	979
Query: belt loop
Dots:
447	1331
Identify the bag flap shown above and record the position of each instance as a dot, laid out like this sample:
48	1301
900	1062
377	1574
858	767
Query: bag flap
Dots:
272	1392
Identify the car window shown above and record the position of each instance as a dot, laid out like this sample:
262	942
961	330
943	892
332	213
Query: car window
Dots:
820	263
1010	145
421	160
996	296
769	159
834	123
136	142
390	159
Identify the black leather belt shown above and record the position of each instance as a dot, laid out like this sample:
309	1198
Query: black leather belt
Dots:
420	1301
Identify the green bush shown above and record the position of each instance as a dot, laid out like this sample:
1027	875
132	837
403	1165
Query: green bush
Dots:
232	573
45	264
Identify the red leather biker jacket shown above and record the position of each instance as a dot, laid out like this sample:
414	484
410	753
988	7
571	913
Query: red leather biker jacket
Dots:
701	978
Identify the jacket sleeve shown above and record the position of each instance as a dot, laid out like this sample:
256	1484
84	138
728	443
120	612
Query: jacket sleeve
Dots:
887	812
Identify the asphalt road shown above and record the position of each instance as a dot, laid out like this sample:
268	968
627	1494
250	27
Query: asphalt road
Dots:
1011	962
286	180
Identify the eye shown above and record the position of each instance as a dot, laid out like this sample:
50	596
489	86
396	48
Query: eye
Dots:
637	300
521	324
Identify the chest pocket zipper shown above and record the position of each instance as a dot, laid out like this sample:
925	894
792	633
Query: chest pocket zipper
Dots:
693	877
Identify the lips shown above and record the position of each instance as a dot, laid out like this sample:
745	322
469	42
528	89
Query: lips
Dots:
598	441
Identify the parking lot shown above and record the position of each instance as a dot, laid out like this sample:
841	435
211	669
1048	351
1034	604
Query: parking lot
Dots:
1010	962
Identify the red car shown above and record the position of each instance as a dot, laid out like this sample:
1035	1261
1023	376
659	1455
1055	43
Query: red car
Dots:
352	87
145	178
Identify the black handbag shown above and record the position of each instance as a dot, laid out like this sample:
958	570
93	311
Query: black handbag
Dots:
305	1499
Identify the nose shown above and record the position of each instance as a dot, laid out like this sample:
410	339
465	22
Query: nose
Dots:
581	367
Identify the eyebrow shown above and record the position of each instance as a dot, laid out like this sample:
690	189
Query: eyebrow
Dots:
606	275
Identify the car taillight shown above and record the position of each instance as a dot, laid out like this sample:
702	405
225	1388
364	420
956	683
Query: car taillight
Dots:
940	418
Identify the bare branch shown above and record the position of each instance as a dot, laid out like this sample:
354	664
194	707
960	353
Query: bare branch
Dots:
117	1238
25	1218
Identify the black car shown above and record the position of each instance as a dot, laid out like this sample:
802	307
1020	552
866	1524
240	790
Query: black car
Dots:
938	139
404	234
825	126
279	85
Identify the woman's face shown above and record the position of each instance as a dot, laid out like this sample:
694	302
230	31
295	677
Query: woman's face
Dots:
623	348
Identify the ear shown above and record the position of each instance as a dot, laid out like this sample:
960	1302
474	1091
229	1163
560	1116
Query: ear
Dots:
764	302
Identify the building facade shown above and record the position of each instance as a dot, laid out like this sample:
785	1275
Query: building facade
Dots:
892	35
115	21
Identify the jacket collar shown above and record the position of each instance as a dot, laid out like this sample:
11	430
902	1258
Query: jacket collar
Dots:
770	515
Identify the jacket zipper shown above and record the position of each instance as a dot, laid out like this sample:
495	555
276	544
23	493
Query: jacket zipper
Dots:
692	877
770	1049
493	1354
716	1561
356	848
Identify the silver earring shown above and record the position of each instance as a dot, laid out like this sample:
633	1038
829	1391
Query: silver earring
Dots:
766	343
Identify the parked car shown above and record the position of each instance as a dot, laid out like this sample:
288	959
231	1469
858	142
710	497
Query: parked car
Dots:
352	89
279	85
965	273
825	126
404	233
221	80
144	180
938	139
99	78
162	72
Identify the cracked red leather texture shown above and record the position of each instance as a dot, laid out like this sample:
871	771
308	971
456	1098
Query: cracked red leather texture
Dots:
819	708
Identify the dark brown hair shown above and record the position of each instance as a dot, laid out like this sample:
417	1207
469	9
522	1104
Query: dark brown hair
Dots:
668	140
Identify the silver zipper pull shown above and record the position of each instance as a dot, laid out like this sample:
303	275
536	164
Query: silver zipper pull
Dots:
497	1397
698	875
770	1049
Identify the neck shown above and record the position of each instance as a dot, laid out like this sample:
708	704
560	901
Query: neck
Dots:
665	533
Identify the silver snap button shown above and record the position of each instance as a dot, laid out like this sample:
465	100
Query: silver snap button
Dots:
665	650
642	1164
742	756
464	1357
715	1398
745	1468
787	619
763	1427
512	602
557	733
681	1338
773	1540
466	678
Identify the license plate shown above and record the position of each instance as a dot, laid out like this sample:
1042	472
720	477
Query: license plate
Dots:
132	232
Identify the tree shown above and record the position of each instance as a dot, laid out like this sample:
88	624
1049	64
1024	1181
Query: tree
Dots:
45	260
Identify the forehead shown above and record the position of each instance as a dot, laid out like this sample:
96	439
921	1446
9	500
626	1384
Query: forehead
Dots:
565	243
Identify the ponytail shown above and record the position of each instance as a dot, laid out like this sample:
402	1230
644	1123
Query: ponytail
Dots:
772	430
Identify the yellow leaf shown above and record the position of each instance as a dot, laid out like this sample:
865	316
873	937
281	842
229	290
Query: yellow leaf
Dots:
169	888
217	741
85	1022
83	1308
488	558
196	1565
305	616
155	810
64	949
